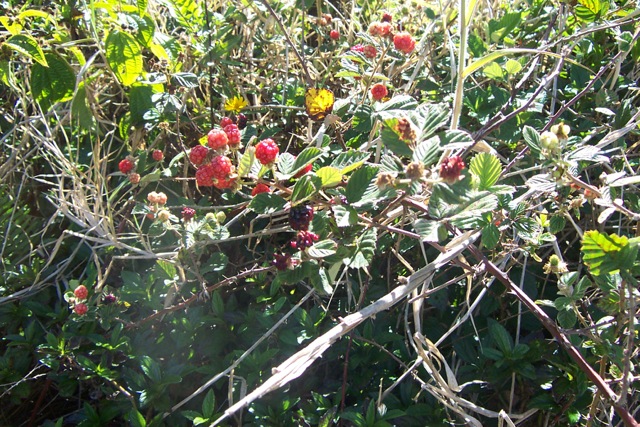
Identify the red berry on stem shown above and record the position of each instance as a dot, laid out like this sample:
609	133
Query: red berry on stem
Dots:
334	34
379	91
266	151
224	183
134	178
404	42
370	51
81	292
188	213
450	169
221	167
204	176
233	134
304	171
260	188
386	17
217	139
81	309
157	155
126	166
198	154
226	121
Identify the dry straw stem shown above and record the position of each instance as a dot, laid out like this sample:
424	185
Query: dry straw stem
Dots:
297	364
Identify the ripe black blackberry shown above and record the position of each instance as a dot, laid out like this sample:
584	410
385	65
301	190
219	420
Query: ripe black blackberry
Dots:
242	121
300	216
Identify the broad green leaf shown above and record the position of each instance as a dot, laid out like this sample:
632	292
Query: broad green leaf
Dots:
427	152
459	204
430	230
285	164
490	236
556	224
330	176
345	216
364	251
532	139
322	249
431	118
14	28
605	254
136	419
489	58
209	404
320	279
359	182
306	156
499	29
167	269
486	168
348	161
53	83
401	102
493	71
455	140
124	56
142	6
512	66
306	187
500	336
266	203
27	46
188	80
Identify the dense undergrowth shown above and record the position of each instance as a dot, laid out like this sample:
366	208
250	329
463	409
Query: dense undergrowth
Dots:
397	213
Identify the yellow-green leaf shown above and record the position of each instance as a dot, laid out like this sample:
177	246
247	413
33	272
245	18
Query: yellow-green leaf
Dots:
486	168
512	66
606	254
330	176
54	83
124	56
27	46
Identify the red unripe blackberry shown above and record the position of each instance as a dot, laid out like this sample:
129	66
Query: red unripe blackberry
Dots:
370	51
334	34
204	176
188	213
226	121
217	139
109	299
379	91
281	262
260	188
134	178
157	155
126	166
267	151
404	42
221	167
224	183
300	216
357	48
198	154
81	292
304	239
233	134
386	17
242	121
81	309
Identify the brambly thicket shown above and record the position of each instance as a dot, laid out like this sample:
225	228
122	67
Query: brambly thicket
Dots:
310	213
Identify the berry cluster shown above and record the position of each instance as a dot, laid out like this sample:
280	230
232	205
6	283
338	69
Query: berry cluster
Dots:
404	42
260	188
157	155
283	262
80	295
304	239
188	213
300	216
127	166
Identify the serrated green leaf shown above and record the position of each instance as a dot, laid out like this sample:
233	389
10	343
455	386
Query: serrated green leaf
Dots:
246	161
306	156
124	56
557	224
490	236
429	230
27	46
330	176
345	216
320	280
322	249
168	269
136	419
532	139
607	254
188	80
285	164
348	161
431	118
267	203
401	102
359	182
427	152
486	168
54	83
364	251
306	187
455	140
80	110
